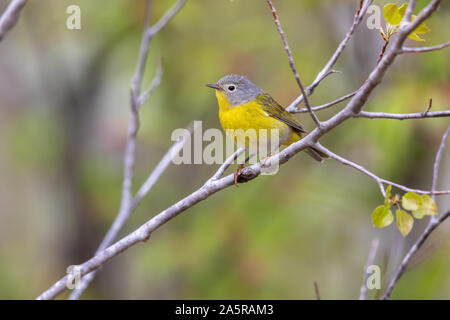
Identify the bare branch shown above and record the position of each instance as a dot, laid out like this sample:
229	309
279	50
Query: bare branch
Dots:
402	116
123	216
364	5
219	173
424	49
149	33
327	70
127	203
437	163
416	246
156	81
370	260
326	105
11	15
380	181
409	11
316	290
433	223
291	62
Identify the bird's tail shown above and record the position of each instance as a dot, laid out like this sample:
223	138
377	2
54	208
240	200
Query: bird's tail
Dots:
316	154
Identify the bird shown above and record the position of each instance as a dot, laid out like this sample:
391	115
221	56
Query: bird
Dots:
244	105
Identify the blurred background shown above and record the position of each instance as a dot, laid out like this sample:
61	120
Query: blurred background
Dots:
64	108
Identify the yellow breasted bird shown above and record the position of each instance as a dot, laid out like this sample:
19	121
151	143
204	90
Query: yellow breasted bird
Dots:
243	105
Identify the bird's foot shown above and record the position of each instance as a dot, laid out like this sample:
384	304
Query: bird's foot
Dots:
264	160
237	173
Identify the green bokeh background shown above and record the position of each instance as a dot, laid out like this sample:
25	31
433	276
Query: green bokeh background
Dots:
64	106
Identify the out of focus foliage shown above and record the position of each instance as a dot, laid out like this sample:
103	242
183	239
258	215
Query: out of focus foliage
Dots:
64	107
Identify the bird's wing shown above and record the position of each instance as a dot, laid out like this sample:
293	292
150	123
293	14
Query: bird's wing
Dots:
274	110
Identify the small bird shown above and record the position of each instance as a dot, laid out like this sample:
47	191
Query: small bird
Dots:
243	105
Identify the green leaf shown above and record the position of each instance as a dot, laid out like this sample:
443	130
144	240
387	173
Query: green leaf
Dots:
388	196
422	28
391	14
411	201
402	9
404	222
415	37
427	208
382	216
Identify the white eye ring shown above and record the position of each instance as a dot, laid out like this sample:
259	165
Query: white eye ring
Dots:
231	87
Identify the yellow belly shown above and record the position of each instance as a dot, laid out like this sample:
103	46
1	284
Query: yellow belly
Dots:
251	116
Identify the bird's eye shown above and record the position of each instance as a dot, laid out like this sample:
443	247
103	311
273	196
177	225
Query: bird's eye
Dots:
231	88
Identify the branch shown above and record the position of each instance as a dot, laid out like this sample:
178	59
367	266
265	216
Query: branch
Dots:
291	62
433	224
327	70
380	181
127	203
226	164
424	49
251	172
326	105
122	217
437	162
416	246
370	260
156	81
11	15
402	116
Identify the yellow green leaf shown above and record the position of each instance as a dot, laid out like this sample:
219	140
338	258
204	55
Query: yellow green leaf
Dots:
427	208
388	196
411	201
382	216
415	37
422	28
391	14
402	9
404	222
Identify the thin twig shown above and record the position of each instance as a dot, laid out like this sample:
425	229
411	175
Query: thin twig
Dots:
380	181
433	223
402	116
316	290
437	163
122	218
127	203
291	62
409	11
370	260
326	105
156	81
424	49
430	105
327	69
11	15
226	164
416	246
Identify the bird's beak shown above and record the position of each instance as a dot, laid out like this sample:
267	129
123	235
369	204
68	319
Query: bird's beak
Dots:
214	86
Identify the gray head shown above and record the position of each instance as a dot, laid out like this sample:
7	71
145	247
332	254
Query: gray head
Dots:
238	89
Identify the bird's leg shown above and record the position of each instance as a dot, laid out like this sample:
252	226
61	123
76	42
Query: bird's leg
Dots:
239	170
237	173
264	160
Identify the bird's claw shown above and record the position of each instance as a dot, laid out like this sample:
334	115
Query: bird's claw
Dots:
237	173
